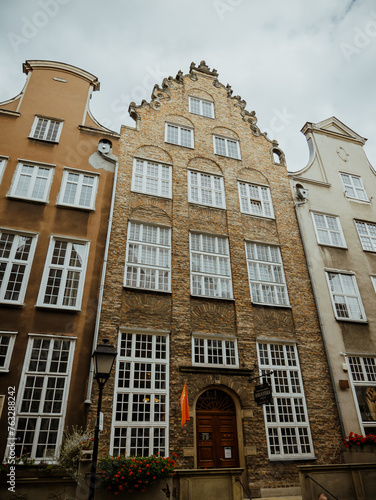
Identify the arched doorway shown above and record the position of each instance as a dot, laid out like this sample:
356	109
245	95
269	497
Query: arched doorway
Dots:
217	441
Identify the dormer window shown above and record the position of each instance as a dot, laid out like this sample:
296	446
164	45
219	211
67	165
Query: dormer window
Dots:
201	107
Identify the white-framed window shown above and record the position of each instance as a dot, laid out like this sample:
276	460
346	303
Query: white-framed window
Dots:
367	235
42	397
354	187
373	279
152	178
363	378
266	276
215	350
226	147
345	296
179	135
148	257
286	418
255	200
64	274
328	230
78	189
3	162
201	107
210	266
141	400
206	189
16	256
32	181
46	129
7	340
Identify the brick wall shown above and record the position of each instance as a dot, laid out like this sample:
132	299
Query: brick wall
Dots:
182	314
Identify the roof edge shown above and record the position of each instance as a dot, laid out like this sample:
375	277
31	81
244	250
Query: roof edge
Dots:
31	65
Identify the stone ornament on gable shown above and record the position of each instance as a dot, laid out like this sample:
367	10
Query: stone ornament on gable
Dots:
342	153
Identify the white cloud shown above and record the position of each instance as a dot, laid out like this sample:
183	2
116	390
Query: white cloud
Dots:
291	61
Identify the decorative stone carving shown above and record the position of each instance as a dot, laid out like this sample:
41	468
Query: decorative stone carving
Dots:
203	68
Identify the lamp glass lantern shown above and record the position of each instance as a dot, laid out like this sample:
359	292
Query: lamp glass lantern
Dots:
103	358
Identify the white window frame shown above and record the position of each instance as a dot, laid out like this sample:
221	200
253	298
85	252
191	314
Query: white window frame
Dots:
352	190
3	162
11	265
266	275
215	283
343	299
201	107
46	375
367	239
67	270
9	348
158	183
179	141
362	370
142	374
286	418
207	350
227	151
199	193
32	178
373	279
141	273
52	125
255	200
80	185
326	233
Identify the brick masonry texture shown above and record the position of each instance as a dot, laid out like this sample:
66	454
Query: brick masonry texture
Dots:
181	314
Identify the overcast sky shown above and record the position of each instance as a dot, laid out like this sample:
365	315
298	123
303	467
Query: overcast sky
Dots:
292	61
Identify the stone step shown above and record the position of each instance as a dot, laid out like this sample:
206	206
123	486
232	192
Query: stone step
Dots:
299	497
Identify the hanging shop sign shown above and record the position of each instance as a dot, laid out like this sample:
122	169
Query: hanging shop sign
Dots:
263	394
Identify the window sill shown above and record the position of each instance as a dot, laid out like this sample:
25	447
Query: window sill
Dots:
146	290
217	369
58	308
349	320
202	205
152	195
28	200
180	145
229	157
258	216
358	200
332	246
292	459
227	299
263	304
43	140
75	207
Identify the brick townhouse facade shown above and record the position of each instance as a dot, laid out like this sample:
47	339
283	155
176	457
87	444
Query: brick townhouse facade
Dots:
207	284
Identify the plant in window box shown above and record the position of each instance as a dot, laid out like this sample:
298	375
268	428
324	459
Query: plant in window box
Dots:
359	449
132	474
354	439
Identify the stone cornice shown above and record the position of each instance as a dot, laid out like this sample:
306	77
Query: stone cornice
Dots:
67	68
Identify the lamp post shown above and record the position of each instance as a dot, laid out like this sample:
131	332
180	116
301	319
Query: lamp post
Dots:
103	359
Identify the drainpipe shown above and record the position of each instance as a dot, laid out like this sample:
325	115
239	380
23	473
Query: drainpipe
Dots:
104	267
315	295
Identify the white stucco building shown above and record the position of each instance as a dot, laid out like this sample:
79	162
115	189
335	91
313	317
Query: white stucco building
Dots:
336	208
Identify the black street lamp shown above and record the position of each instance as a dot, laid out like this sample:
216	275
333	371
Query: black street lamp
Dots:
103	358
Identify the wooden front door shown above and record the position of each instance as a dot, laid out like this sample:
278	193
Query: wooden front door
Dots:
217	442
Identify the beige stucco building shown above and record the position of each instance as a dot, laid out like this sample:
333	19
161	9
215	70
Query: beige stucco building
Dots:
335	205
57	167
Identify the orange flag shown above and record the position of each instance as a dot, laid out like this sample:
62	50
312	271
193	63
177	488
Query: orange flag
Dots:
184	405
